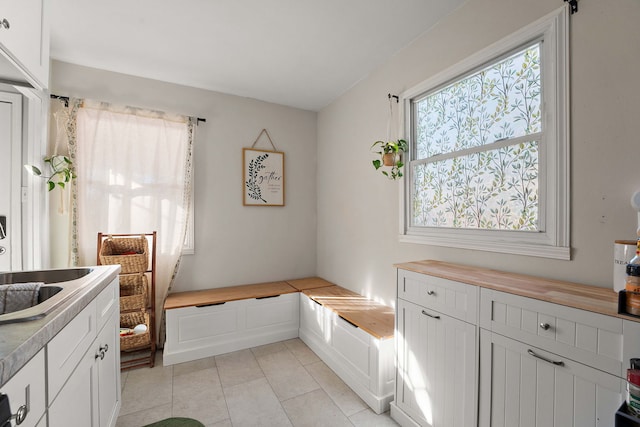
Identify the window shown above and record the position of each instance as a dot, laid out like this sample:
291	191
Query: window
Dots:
134	175
488	161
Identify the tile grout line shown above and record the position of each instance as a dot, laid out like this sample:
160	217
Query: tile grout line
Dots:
271	385
318	382
327	392
224	394
172	388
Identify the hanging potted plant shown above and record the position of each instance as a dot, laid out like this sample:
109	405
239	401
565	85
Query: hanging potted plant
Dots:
390	151
60	171
390	156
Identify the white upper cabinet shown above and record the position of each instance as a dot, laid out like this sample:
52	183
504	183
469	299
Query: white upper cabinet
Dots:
24	42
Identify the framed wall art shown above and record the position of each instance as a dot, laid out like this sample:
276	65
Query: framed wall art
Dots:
263	176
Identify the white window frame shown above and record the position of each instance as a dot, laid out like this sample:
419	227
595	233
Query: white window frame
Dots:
553	239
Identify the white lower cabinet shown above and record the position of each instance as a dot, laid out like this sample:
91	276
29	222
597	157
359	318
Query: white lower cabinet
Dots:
89	395
527	363
26	391
524	386
436	378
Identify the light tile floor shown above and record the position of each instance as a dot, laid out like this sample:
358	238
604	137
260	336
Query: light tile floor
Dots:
281	384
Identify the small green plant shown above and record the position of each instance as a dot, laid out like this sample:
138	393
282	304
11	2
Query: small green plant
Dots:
390	155
61	174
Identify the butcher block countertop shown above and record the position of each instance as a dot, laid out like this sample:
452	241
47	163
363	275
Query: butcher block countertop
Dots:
375	318
231	293
585	297
309	283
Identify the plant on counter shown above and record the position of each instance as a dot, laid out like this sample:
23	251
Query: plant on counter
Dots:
390	155
61	171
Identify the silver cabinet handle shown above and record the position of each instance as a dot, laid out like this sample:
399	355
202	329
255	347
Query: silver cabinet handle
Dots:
5	24
430	315
554	362
431	293
21	415
544	326
23	410
102	352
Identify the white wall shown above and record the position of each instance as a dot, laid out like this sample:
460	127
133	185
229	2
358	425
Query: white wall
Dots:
234	244
358	208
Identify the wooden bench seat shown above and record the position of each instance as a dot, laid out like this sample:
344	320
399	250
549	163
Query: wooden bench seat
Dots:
231	293
309	283
370	316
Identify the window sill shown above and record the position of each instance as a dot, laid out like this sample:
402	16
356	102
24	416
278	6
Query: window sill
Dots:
543	251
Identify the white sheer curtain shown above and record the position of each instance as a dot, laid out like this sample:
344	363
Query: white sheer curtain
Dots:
134	176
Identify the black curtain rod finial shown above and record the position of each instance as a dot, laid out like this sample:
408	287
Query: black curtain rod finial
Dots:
573	4
64	99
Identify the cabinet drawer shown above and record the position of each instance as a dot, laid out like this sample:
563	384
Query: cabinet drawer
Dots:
29	381
454	299
590	338
66	349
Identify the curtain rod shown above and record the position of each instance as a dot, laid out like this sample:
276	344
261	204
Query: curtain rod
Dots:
65	99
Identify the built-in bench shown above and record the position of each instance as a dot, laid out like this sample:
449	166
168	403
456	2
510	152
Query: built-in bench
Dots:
350	333
216	321
353	335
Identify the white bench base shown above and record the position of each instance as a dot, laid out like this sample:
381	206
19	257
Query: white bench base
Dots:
198	332
365	363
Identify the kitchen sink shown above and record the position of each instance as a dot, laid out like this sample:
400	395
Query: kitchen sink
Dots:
59	285
47	292
43	276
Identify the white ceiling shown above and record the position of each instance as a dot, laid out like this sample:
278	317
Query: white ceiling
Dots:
301	53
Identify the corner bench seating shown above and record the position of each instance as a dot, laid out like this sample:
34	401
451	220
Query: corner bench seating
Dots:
350	333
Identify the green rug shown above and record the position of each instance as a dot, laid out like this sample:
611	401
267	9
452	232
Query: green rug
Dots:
176	422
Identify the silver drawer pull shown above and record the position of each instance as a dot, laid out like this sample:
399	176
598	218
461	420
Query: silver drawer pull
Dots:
544	326
23	410
554	362
102	352
431	293
430	315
